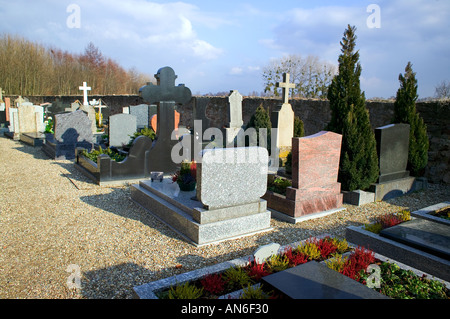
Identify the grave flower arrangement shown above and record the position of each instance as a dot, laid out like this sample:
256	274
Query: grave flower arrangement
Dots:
186	176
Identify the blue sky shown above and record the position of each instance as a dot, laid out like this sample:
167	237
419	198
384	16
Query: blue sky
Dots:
223	45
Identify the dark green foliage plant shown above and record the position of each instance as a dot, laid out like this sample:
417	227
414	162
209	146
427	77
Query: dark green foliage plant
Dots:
146	131
405	112
185	291
261	119
93	155
299	130
358	166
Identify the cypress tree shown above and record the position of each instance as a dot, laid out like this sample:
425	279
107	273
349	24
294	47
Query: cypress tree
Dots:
299	130
358	166
261	119
405	112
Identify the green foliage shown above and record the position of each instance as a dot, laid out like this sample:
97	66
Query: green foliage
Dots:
299	130
261	119
358	167
309	249
399	283
288	164
93	155
277	263
279	185
375	228
185	291
146	131
252	292
50	127
237	277
405	112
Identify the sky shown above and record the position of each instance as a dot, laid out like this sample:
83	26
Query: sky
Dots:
219	46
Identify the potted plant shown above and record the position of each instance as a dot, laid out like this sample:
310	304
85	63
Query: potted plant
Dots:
186	176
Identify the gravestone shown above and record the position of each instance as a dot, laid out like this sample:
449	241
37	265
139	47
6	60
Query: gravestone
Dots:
425	235
314	280
85	89
315	191
31	118
3	111
230	183
392	150
265	252
235	114
141	112
121	127
166	95
98	105
154	121
283	117
72	130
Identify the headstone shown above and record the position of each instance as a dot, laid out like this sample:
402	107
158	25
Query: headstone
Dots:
241	171
230	183
392	149
314	280
31	118
121	127
154	121
166	95
235	114
72	130
265	252
315	190
283	117
85	89
98	105
425	235
7	107
141	112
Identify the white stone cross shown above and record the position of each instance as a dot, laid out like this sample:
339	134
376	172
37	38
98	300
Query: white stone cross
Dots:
1	94
85	88
286	86
99	106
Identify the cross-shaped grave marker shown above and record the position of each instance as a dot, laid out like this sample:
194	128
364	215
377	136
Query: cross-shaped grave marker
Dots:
165	94
285	85
98	105
85	88
1	95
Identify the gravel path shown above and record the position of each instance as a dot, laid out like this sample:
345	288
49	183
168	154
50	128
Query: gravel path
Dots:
52	217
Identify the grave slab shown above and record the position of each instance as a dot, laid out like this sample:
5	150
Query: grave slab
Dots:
33	139
426	235
314	280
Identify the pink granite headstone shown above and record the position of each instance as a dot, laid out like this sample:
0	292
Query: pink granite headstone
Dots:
315	165
7	106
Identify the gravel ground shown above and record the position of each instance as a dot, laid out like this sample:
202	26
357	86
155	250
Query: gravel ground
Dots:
52	217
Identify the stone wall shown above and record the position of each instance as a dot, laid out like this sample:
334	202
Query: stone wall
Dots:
314	113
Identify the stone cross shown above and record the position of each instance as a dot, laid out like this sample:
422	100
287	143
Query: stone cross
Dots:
99	106
166	95
235	109
1	95
286	86
85	88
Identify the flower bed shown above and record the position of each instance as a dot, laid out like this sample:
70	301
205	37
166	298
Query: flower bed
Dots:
93	155
388	220
335	253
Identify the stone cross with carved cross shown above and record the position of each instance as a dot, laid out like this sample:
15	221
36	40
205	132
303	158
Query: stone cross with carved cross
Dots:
85	88
99	106
286	86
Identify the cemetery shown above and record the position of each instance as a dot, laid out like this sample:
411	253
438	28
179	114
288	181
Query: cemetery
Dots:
197	190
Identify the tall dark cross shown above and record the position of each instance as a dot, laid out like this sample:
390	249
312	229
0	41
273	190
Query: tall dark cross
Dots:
166	95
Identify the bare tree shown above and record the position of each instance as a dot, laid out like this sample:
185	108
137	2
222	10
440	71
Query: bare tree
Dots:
443	90
310	75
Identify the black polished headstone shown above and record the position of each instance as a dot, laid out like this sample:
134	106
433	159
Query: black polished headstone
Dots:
314	280
392	148
422	234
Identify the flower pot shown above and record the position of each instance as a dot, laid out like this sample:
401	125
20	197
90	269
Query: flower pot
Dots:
187	187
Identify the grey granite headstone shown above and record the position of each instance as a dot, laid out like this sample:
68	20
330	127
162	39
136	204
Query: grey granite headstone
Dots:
314	280
141	112
71	130
232	176
121	127
426	235
392	148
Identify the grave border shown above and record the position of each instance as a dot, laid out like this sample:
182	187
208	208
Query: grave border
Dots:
150	290
403	253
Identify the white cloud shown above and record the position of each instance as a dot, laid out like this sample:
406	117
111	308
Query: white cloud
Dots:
236	70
